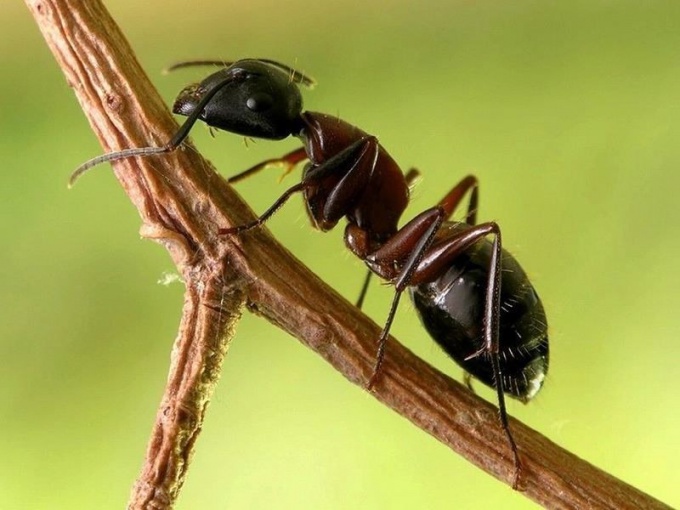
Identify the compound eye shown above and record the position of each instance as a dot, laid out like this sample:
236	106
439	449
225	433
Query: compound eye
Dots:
259	102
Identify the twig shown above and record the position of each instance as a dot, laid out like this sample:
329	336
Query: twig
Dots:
182	203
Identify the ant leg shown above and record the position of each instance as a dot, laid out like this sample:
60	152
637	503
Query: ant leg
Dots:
492	305
492	311
437	260
364	290
412	241
289	161
453	198
350	186
266	215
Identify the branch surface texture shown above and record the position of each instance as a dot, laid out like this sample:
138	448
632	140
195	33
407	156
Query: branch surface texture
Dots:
182	202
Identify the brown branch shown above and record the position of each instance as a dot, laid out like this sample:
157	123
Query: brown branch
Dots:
182	202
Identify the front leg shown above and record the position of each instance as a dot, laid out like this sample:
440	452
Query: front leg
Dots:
355	165
288	161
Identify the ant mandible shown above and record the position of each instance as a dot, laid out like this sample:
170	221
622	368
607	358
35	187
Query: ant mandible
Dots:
472	296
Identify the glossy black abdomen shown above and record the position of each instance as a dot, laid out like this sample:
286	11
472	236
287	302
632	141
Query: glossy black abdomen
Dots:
452	310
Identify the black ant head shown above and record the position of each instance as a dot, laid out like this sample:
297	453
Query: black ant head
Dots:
251	97
258	98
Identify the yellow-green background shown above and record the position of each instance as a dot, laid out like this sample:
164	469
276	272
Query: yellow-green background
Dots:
569	113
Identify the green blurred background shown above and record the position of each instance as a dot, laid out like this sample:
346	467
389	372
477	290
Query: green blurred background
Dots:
569	113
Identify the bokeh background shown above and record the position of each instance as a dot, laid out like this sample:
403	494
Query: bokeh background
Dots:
569	113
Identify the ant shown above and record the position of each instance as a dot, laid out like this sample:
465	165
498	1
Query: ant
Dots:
472	296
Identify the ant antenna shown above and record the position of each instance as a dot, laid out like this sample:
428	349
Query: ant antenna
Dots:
171	146
195	63
295	75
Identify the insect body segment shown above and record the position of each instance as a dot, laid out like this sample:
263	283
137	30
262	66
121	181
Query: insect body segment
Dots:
251	98
451	308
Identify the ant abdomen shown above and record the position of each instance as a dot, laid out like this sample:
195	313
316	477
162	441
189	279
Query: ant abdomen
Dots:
451	308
